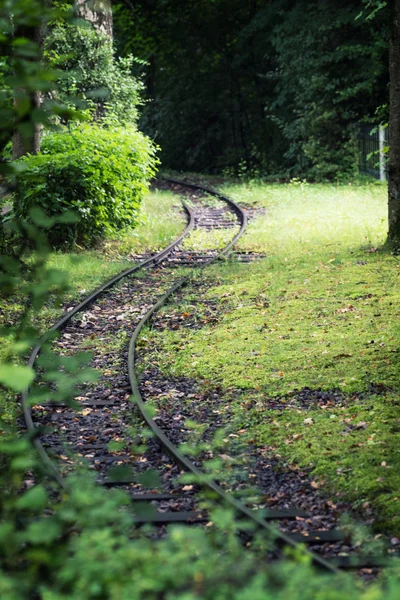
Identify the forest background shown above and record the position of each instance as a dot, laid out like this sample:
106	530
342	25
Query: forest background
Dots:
270	88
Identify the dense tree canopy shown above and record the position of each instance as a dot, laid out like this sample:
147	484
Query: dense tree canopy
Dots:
241	85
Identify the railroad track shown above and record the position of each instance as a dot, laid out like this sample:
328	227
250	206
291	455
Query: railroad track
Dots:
99	431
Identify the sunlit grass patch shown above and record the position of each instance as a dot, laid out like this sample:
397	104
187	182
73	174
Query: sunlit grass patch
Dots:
300	324
201	240
161	220
302	217
320	312
86	270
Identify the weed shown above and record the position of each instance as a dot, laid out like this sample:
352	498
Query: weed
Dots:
161	220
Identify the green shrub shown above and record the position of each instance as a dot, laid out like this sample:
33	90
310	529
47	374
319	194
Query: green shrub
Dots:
99	174
81	545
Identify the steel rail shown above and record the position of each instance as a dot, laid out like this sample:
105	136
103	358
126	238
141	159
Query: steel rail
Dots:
66	317
240	509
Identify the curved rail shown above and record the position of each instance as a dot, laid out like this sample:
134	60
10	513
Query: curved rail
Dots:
26	405
239	211
240	509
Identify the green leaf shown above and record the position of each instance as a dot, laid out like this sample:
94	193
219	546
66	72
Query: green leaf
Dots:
150	479
144	510
16	377
43	532
22	463
39	217
6	532
34	499
68	217
115	446
120	473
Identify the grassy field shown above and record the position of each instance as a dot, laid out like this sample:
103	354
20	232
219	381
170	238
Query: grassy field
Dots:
321	312
160	222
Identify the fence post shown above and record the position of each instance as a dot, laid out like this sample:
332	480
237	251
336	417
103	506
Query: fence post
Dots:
382	144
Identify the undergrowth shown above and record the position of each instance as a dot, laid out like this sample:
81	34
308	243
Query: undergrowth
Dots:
160	222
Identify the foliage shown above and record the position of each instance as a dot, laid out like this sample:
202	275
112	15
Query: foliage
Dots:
210	116
5	99
80	542
266	97
335	81
83	546
100	83
21	70
99	174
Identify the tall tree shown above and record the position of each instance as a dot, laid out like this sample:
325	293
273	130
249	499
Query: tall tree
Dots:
394	129
26	138
97	12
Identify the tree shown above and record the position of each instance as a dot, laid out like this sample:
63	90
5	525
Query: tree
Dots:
97	12
93	79
27	102
394	129
332	73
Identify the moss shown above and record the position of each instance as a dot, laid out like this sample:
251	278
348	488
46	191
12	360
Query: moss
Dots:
321	315
296	324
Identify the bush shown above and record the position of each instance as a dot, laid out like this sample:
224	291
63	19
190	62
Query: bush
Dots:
99	174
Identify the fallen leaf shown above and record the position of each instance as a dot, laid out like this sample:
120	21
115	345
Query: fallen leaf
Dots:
225	457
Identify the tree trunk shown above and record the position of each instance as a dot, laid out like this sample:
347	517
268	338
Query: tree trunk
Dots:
27	144
394	129
97	12
26	136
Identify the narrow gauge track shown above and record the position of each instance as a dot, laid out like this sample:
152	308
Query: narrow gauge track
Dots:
106	410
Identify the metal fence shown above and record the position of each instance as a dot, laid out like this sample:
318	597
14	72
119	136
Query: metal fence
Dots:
372	157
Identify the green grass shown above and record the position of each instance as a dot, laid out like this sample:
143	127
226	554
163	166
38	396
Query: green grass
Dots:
302	217
160	222
320	312
87	271
201	240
